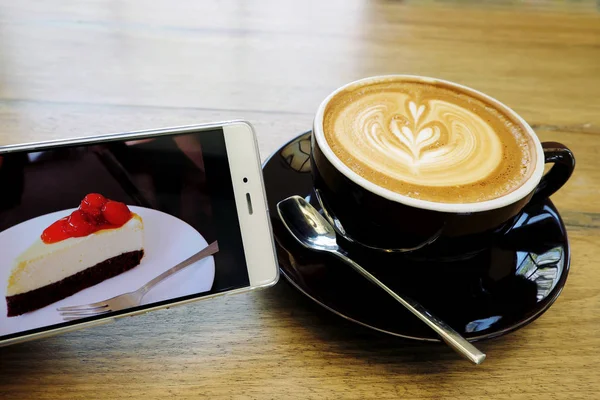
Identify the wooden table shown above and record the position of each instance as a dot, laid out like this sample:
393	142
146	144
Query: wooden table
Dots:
89	67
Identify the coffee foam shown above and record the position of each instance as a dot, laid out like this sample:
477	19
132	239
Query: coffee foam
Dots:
428	141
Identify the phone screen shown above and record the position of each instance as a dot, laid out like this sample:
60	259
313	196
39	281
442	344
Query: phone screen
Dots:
82	224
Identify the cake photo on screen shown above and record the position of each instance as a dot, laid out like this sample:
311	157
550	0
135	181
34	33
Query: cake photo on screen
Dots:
99	240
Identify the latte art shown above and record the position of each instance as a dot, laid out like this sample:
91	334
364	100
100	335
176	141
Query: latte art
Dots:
427	142
435	143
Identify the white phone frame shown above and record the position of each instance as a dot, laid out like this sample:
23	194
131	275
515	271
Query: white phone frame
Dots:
256	231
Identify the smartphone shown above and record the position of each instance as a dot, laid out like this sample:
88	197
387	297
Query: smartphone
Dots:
169	216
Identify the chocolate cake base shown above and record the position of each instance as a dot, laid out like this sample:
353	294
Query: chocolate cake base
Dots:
38	298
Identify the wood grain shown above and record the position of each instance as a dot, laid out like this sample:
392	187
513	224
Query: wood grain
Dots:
82	68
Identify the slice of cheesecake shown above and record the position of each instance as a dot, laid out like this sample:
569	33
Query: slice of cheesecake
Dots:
95	243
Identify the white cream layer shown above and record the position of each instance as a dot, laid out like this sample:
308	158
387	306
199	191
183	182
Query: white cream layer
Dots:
43	264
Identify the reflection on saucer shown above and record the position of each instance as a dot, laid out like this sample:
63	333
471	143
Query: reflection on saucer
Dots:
543	269
482	324
540	264
297	154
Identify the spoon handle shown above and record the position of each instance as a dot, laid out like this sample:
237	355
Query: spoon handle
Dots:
449	335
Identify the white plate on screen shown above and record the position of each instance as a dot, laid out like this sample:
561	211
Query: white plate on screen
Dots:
167	241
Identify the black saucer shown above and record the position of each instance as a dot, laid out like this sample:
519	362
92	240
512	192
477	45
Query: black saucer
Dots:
484	295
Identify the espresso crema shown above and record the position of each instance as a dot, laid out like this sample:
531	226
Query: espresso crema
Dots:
428	141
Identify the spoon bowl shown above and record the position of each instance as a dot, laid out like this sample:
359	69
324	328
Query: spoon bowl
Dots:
307	225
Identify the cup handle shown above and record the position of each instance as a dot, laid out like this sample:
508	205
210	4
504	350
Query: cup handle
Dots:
559	174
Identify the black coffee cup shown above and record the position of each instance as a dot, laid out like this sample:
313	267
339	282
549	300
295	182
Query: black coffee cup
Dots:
375	217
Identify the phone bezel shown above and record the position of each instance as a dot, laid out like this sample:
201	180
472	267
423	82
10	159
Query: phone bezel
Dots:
256	231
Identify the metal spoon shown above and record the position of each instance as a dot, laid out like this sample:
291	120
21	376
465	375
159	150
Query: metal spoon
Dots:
313	231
